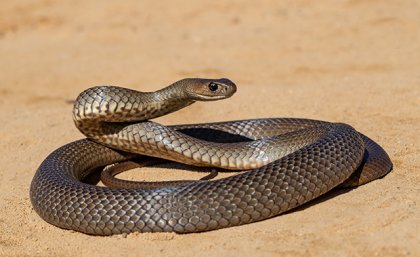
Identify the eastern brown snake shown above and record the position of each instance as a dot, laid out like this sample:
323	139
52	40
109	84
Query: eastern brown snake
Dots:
288	162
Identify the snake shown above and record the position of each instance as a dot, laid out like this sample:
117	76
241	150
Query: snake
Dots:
281	163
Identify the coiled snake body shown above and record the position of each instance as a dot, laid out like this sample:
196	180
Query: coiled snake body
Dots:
288	162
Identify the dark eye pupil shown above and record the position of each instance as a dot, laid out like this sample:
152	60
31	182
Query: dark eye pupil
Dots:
213	86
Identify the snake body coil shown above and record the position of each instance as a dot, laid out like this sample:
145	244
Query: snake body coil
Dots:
288	162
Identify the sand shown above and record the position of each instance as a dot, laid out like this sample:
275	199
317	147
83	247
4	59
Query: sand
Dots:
347	61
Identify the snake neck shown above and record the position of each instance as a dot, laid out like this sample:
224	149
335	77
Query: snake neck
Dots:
169	99
102	105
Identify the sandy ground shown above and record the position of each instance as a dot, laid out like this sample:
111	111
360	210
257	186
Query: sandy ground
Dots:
353	61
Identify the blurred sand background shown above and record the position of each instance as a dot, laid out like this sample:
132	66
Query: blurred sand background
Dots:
353	61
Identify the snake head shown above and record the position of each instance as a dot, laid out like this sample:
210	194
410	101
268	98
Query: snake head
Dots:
209	89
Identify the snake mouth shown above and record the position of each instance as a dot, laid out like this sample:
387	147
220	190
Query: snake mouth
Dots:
210	98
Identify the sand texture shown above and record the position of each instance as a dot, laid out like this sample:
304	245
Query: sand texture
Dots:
351	61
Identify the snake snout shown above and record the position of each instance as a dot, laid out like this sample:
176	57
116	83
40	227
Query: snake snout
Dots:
228	87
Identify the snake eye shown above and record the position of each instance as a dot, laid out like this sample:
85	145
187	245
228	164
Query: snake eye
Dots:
213	86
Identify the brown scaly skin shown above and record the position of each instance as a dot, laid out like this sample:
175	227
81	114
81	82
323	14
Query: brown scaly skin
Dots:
308	159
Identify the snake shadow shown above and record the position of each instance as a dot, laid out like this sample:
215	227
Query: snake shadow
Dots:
325	197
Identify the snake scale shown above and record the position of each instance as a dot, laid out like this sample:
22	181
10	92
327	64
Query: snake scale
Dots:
285	162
